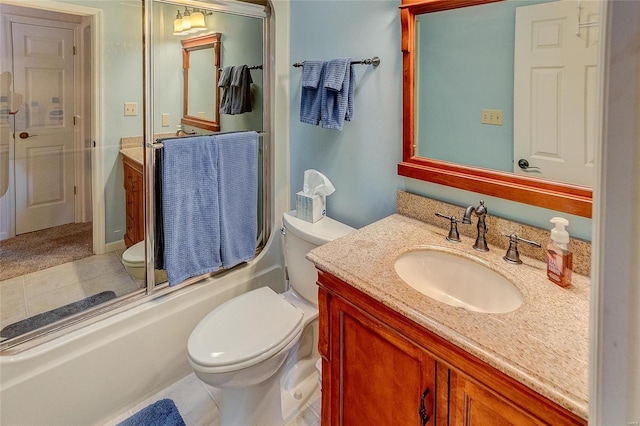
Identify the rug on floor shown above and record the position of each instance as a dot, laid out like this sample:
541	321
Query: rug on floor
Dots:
160	413
43	249
46	318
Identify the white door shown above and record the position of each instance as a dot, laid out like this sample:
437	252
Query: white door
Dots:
44	136
556	50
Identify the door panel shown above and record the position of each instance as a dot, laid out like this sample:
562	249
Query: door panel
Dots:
44	165
555	90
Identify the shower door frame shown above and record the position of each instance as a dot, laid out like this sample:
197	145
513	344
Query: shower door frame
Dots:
151	291
244	9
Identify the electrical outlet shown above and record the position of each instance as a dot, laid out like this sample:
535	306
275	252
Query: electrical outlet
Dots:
201	115
130	108
491	116
165	119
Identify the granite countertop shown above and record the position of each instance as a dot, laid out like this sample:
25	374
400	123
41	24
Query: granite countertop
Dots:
135	154
542	344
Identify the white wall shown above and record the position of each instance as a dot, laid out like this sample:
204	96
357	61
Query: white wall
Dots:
615	354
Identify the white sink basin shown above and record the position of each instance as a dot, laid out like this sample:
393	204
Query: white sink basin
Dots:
458	281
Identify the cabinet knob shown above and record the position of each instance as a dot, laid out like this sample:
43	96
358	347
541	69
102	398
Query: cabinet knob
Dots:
424	416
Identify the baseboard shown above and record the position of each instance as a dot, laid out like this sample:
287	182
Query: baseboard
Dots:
116	245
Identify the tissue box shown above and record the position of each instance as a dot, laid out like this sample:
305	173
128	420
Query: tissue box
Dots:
310	208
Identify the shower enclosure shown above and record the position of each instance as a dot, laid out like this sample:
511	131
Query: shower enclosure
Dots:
134	58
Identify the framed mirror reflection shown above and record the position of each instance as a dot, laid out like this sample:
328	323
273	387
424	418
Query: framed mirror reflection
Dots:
201	71
500	98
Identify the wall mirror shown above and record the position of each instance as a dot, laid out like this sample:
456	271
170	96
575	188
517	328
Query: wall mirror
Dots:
435	150
201	71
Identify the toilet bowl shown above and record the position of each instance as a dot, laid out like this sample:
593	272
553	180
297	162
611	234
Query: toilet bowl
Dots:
133	260
260	348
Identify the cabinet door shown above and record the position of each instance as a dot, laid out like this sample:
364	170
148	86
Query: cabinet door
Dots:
384	379
474	404
134	192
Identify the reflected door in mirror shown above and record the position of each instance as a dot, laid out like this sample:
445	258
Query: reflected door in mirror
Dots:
555	85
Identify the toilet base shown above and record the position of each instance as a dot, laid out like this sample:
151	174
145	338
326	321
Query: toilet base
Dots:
272	402
253	405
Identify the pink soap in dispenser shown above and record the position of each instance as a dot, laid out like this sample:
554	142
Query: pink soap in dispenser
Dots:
559	255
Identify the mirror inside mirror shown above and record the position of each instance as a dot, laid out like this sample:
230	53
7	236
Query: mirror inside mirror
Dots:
201	68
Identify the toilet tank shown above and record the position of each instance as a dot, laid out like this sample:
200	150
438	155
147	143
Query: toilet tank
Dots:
300	237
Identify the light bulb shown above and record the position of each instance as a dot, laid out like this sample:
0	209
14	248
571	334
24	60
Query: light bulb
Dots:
197	20
186	20
177	24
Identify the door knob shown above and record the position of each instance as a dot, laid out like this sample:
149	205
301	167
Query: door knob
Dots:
524	165
25	135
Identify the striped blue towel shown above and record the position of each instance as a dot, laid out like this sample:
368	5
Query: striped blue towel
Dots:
238	195
190	204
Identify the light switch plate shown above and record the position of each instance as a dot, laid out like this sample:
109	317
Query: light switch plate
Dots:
130	108
491	116
165	119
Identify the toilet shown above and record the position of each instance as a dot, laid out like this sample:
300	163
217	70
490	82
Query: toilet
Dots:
133	260
260	348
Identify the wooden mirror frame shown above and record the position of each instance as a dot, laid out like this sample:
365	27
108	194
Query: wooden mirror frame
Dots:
209	41
573	199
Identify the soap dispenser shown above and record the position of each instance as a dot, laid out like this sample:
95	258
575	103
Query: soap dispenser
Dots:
559	255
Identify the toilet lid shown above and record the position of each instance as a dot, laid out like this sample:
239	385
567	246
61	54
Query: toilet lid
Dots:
134	255
252	326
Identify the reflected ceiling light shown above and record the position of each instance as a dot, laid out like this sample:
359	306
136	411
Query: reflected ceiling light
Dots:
197	20
186	20
177	24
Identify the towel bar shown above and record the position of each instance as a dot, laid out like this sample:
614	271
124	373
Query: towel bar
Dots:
253	67
159	145
375	61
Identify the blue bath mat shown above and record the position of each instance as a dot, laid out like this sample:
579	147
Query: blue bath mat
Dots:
160	413
46	318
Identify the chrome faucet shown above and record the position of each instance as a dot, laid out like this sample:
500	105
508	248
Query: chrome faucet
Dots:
481	212
182	132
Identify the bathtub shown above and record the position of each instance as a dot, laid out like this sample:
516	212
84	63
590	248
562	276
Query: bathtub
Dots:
91	374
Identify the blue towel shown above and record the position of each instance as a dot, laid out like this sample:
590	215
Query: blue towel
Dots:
225	84
312	88
337	95
160	413
241	90
190	204
238	195
311	74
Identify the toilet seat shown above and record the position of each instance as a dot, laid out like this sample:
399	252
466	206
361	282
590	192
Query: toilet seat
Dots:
244	331
134	255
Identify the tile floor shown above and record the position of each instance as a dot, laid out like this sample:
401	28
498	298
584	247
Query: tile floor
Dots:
41	291
198	405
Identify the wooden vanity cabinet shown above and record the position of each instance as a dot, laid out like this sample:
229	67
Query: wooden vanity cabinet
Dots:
134	193
380	368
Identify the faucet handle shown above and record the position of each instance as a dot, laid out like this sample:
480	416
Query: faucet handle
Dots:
513	256
453	231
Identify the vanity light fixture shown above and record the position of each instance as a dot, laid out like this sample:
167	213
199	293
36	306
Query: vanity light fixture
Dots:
190	22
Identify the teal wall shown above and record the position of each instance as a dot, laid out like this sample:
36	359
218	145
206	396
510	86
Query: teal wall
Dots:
466	64
241	45
361	160
122	82
122	74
